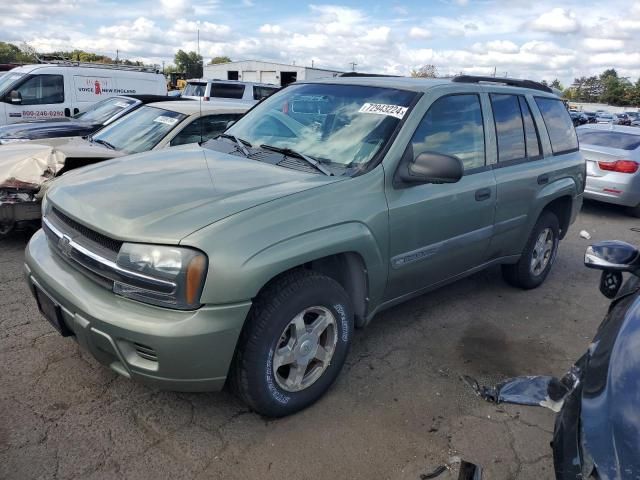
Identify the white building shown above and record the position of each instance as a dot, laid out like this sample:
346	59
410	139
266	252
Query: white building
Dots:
264	72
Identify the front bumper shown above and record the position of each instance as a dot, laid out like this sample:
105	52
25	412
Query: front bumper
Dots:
169	349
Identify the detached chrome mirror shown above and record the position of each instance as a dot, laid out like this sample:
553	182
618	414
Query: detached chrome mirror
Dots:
612	255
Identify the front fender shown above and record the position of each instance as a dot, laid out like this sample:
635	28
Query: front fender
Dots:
295	251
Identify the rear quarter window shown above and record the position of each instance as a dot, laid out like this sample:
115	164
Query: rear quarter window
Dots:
226	90
559	125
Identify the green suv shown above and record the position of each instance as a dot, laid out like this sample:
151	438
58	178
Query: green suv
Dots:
249	260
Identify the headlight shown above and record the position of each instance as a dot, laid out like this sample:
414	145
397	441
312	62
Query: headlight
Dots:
4	141
166	276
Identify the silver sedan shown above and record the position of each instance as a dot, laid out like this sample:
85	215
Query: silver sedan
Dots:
612	153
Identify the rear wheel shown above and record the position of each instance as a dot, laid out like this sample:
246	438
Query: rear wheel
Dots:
538	255
5	229
294	344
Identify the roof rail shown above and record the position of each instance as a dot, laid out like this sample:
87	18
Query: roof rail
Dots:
112	66
513	82
359	74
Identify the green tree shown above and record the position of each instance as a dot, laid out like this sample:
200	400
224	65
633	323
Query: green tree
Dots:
10	53
556	84
426	71
190	63
216	60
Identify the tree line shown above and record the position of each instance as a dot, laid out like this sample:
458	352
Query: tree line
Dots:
608	87
190	63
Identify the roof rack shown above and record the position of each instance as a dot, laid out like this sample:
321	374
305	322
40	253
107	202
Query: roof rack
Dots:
513	82
112	66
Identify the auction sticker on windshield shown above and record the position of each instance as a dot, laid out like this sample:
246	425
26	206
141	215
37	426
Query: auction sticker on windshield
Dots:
166	120
384	109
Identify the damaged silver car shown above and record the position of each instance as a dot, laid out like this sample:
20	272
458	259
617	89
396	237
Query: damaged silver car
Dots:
26	169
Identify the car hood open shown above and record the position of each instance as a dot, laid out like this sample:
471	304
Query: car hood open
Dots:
163	196
30	164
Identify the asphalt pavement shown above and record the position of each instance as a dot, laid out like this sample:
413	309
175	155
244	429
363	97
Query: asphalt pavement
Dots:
398	410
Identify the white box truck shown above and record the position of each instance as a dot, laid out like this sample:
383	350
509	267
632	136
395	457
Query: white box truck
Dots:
52	90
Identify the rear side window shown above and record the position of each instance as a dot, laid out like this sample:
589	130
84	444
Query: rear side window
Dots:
623	141
509	127
262	92
226	90
559	125
530	131
42	90
453	126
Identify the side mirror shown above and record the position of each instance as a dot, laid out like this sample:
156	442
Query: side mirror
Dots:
15	97
612	255
432	167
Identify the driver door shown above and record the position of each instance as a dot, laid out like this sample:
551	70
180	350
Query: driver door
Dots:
438	231
38	97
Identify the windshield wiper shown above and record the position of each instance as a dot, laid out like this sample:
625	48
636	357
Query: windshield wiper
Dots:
292	153
239	142
103	142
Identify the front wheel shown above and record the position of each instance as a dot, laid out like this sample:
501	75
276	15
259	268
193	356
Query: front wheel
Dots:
5	229
538	255
294	344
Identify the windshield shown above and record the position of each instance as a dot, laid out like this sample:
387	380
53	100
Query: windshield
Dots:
7	80
623	141
345	125
139	131
193	89
102	111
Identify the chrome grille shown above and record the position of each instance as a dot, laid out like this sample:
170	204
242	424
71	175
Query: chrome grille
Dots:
92	240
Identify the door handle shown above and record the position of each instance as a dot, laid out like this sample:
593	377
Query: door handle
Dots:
543	179
67	112
483	194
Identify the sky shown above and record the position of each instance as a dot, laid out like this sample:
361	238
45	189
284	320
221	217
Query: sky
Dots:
543	39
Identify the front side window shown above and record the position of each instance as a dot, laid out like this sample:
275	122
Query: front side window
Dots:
102	111
42	90
342	125
204	128
559	125
194	89
453	126
139	131
227	90
509	127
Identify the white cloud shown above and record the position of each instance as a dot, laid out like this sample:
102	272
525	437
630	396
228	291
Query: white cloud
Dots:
557	20
174	8
503	46
418	32
270	29
603	44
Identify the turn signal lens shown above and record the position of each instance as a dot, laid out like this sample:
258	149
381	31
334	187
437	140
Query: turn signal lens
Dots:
619	166
195	278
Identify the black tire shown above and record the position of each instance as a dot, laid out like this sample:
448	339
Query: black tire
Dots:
6	229
252	375
634	211
520	274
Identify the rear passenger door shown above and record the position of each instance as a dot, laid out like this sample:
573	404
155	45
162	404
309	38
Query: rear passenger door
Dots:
521	170
438	231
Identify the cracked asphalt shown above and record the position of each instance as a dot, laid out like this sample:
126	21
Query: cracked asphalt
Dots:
398	410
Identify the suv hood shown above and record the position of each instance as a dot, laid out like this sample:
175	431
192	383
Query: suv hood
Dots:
163	196
31	164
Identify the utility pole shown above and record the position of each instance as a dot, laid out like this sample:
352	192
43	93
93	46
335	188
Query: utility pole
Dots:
353	66
117	55
494	72
312	63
